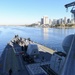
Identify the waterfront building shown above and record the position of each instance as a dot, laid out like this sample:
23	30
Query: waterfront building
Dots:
68	21
60	21
45	20
65	20
38	23
57	21
42	20
54	22
72	19
50	22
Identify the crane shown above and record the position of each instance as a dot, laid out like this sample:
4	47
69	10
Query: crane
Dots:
70	4
73	8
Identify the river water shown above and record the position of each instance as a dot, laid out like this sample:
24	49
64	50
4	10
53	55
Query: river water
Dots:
50	37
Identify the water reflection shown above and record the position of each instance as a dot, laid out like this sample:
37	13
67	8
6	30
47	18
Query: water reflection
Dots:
45	33
50	37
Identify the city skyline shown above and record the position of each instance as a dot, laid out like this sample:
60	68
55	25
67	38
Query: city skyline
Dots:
20	12
45	20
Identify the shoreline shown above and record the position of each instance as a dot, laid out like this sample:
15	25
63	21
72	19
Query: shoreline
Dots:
58	27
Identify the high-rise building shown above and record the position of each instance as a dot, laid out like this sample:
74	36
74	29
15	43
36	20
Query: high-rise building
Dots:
60	21
68	20
65	20
45	20
50	22
72	19
42	20
54	22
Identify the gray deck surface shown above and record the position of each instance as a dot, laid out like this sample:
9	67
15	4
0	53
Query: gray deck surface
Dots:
10	60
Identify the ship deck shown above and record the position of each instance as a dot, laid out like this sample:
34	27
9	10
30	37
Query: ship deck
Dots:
12	59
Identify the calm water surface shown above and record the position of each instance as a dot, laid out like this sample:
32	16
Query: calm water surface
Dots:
50	37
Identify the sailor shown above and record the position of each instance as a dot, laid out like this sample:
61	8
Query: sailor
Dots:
22	48
25	47
10	71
